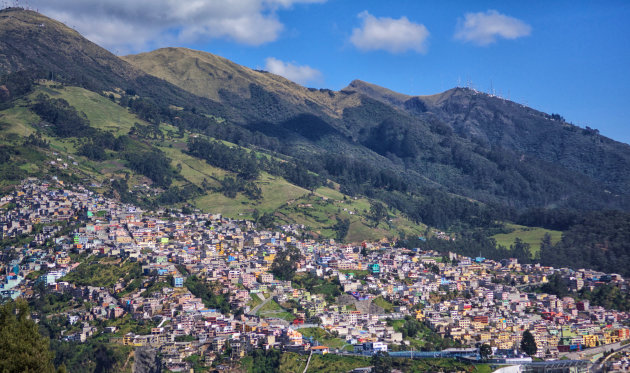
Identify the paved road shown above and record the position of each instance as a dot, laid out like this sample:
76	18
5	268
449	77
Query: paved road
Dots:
529	284
163	321
254	310
597	367
302	326
580	355
309	361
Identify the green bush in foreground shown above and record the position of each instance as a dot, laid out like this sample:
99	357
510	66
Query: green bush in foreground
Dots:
22	349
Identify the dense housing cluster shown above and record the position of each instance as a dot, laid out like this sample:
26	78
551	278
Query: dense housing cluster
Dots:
201	284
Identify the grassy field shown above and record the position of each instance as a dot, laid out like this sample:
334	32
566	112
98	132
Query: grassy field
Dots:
292	362
329	193
102	273
323	337
17	120
127	324
320	212
100	111
254	301
193	169
20	121
357	273
418	341
272	309
530	235
275	191
379	301
439	365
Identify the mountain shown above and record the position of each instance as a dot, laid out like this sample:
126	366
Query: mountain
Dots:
222	80
470	143
187	128
497	122
46	48
58	50
65	98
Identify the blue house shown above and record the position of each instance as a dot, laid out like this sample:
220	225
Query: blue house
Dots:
178	282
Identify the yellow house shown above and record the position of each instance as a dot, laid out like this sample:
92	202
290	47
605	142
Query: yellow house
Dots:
611	338
127	340
269	258
484	336
250	328
130	340
590	340
123	239
503	337
419	315
63	260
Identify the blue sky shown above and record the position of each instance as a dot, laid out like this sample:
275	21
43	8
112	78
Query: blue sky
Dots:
566	57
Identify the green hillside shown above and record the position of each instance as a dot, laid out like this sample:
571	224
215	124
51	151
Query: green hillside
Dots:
530	235
463	141
279	197
205	75
183	128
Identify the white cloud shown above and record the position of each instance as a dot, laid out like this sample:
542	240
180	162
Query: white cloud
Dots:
299	74
389	34
485	28
137	25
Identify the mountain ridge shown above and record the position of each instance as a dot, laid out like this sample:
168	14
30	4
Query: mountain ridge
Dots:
57	52
361	163
201	72
461	141
19	25
505	131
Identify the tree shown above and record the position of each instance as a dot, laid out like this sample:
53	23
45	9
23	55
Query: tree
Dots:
341	228
209	293
521	250
105	359
411	327
266	220
545	246
528	344
22	349
545	242
381	363
485	350
364	251
285	263
378	212
556	285
266	361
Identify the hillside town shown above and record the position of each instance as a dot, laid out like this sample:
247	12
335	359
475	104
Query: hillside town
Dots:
202	284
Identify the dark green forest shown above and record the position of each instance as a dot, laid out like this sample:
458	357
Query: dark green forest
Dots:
599	240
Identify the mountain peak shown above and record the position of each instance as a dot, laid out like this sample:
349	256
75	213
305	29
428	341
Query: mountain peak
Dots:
55	48
222	80
377	92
